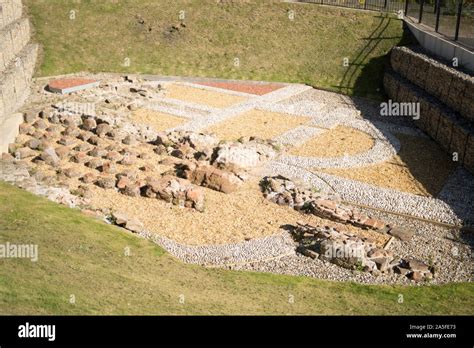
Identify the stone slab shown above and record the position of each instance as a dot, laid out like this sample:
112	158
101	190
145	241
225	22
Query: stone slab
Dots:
9	131
66	86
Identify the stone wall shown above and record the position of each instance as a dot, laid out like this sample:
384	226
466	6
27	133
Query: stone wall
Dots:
17	63
446	99
450	86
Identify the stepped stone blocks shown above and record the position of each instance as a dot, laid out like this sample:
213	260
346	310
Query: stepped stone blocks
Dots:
13	39
454	133
452	87
17	63
10	11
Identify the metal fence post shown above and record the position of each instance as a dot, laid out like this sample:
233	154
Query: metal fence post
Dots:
438	12
422	2
458	20
385	4
406	7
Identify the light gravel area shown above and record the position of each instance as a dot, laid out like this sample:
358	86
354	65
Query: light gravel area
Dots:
459	194
175	109
266	248
297	136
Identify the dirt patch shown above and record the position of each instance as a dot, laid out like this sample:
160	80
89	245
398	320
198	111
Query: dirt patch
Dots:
336	142
157	120
262	124
202	96
251	88
421	168
228	218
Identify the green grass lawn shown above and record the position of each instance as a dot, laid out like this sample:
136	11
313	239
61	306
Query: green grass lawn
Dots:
105	35
86	258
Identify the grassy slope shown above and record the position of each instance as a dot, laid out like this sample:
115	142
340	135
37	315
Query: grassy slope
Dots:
85	257
310	49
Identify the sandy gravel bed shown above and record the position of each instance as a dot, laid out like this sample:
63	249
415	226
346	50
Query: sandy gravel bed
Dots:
201	96
262	124
159	121
416	169
228	218
336	142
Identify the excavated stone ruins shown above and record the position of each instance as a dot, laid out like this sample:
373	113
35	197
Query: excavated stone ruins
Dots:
70	145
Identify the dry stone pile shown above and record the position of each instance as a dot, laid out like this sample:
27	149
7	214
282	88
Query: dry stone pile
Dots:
283	191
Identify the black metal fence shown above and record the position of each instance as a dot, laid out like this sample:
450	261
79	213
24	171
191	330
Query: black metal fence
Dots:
374	5
452	18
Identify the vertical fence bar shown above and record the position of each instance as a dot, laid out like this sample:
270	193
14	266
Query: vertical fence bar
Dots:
385	4
458	20
438	12
420	17
406	8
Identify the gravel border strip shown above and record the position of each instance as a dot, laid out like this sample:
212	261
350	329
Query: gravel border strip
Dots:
186	104
298	135
385	147
460	196
301	109
270	247
392	200
179	111
394	128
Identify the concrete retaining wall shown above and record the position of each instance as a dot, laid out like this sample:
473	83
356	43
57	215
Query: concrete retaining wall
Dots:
17	63
445	97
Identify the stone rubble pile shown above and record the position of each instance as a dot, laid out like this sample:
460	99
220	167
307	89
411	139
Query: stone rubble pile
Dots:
209	163
19	175
283	191
56	139
358	253
64	134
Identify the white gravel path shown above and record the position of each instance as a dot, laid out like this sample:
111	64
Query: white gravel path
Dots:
298	135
